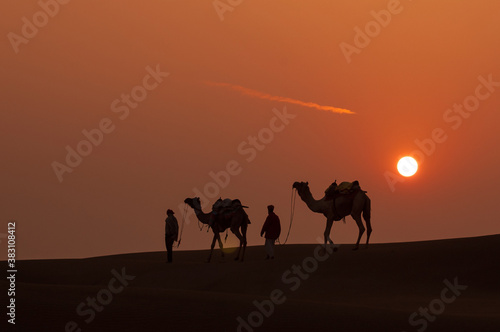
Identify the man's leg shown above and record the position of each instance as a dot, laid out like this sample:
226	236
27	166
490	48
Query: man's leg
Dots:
170	244
271	248
268	248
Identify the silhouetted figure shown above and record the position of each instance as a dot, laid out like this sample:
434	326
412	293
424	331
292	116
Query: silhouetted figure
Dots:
171	233
272	228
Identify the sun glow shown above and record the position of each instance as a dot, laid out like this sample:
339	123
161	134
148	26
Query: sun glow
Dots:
407	166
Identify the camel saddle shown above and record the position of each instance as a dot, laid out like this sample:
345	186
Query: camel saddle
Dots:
226	206
343	189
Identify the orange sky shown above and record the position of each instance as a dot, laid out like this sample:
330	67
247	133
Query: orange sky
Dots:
64	80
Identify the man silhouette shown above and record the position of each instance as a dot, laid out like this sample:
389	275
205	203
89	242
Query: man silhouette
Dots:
171	233
272	229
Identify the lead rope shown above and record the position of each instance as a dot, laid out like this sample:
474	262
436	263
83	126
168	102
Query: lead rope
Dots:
292	212
182	224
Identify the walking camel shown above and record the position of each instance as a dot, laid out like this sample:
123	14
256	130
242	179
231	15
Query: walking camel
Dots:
351	204
236	220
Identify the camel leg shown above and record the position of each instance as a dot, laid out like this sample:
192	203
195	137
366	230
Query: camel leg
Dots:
367	217
357	218
244	235
326	235
220	245
212	247
331	242
239	221
236	232
368	232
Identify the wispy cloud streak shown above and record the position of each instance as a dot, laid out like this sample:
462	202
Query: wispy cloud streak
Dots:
267	96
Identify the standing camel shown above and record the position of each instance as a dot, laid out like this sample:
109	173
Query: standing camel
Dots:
344	205
235	221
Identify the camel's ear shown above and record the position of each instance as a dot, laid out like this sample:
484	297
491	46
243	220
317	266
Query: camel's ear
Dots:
307	183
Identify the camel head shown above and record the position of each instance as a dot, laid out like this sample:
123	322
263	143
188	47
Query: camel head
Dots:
302	189
300	186
197	202
193	202
189	201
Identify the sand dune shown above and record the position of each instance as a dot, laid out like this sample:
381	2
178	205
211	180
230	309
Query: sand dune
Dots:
369	290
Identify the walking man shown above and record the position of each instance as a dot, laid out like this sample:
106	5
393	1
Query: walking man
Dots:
272	229
171	233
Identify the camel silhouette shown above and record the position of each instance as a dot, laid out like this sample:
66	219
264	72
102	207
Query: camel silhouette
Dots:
353	204
236	220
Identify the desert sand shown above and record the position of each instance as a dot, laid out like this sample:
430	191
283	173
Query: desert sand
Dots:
374	289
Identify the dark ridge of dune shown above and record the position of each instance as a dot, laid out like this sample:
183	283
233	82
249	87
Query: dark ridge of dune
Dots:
375	289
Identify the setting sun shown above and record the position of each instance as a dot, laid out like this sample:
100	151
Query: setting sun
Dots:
407	166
